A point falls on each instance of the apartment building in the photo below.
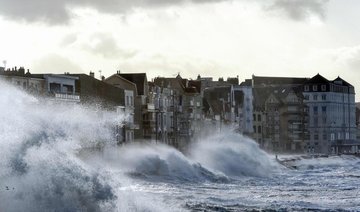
(332, 121)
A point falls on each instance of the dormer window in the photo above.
(315, 88)
(323, 87)
(306, 88)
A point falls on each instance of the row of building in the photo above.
(283, 114)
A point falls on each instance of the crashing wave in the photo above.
(233, 155)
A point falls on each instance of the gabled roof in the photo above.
(123, 81)
(342, 82)
(196, 84)
(262, 94)
(317, 79)
(174, 83)
(273, 96)
(138, 78)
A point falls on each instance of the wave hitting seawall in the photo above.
(43, 166)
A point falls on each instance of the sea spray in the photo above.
(154, 161)
(49, 161)
(39, 167)
(213, 159)
(233, 155)
(42, 165)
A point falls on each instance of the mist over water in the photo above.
(63, 157)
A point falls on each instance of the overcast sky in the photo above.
(219, 38)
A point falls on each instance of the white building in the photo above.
(332, 126)
(246, 112)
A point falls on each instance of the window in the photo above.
(306, 88)
(323, 97)
(323, 109)
(315, 87)
(55, 87)
(316, 137)
(68, 89)
(254, 129)
(324, 136)
(323, 87)
(332, 136)
(315, 97)
(131, 101)
(259, 117)
(306, 97)
(259, 129)
(254, 117)
(127, 101)
(315, 109)
(315, 121)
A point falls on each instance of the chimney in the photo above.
(92, 74)
(102, 78)
(21, 70)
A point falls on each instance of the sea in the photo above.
(62, 157)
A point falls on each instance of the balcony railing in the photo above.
(67, 97)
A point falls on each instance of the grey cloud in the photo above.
(58, 11)
(300, 10)
(106, 46)
(69, 39)
(55, 63)
(36, 10)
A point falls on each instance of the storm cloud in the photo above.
(106, 46)
(59, 11)
(300, 10)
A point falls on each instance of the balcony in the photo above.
(149, 108)
(66, 97)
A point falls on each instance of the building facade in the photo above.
(332, 121)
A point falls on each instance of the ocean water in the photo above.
(50, 161)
